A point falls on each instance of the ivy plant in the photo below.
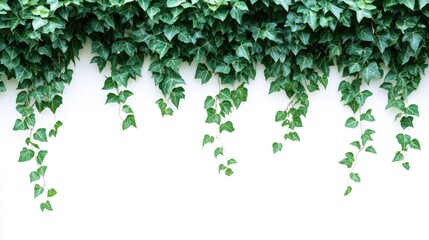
(296, 41)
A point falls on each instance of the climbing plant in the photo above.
(296, 41)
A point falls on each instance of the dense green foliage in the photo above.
(297, 41)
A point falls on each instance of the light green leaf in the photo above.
(351, 122)
(42, 170)
(415, 144)
(348, 191)
(406, 165)
(292, 136)
(38, 190)
(355, 177)
(409, 3)
(413, 110)
(423, 3)
(41, 156)
(207, 139)
(218, 151)
(34, 176)
(25, 155)
(52, 192)
(231, 161)
(371, 71)
(209, 102)
(229, 172)
(174, 3)
(39, 22)
(277, 147)
(46, 206)
(370, 149)
(398, 157)
(221, 167)
(304, 61)
(356, 144)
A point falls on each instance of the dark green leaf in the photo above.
(415, 144)
(413, 110)
(281, 116)
(128, 122)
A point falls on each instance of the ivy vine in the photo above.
(297, 42)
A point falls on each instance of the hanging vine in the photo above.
(297, 42)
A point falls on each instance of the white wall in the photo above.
(156, 182)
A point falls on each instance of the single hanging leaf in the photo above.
(231, 161)
(52, 192)
(40, 135)
(207, 139)
(348, 191)
(277, 147)
(38, 190)
(398, 157)
(370, 149)
(351, 122)
(128, 122)
(221, 168)
(34, 176)
(227, 126)
(228, 172)
(406, 165)
(25, 155)
(415, 144)
(41, 156)
(218, 151)
(355, 177)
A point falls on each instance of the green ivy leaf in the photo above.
(227, 126)
(367, 116)
(40, 135)
(202, 73)
(218, 151)
(38, 190)
(356, 144)
(52, 192)
(351, 122)
(348, 191)
(20, 125)
(26, 155)
(415, 144)
(407, 122)
(34, 176)
(128, 122)
(207, 139)
(280, 116)
(398, 157)
(406, 165)
(292, 136)
(221, 167)
(231, 161)
(277, 147)
(370, 149)
(41, 156)
(46, 206)
(371, 71)
(174, 3)
(413, 110)
(229, 172)
(209, 102)
(42, 170)
(355, 177)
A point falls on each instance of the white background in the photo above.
(156, 182)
